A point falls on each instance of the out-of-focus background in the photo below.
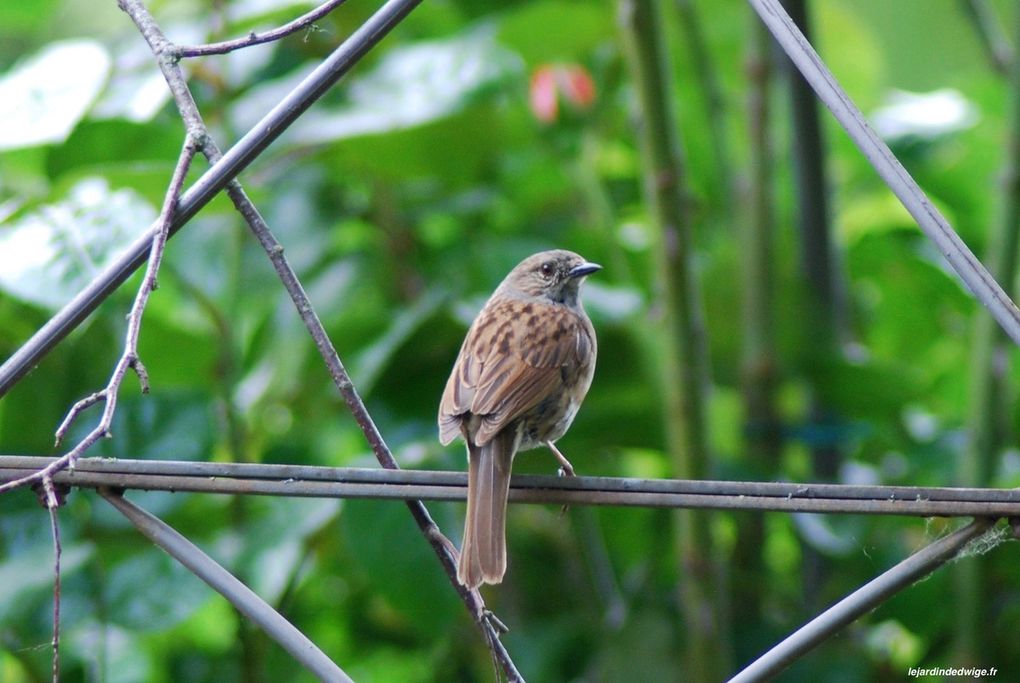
(476, 134)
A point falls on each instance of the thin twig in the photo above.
(253, 38)
(243, 598)
(861, 601)
(441, 545)
(129, 359)
(52, 501)
(929, 219)
(235, 160)
(443, 548)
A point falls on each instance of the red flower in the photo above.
(554, 82)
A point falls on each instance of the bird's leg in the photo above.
(436, 535)
(566, 469)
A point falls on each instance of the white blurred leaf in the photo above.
(410, 86)
(280, 547)
(24, 573)
(925, 115)
(133, 604)
(891, 643)
(612, 302)
(822, 535)
(124, 659)
(43, 98)
(49, 255)
(137, 90)
(135, 95)
(242, 66)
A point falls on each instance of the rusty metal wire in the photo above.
(956, 252)
(860, 602)
(344, 482)
(243, 598)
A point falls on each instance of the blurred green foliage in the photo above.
(402, 199)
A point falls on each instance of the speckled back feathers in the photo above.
(531, 339)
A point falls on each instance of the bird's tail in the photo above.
(483, 553)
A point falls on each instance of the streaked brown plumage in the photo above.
(523, 370)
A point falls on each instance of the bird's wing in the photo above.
(459, 391)
(512, 359)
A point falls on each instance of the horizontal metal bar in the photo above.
(339, 482)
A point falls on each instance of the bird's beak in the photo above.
(584, 269)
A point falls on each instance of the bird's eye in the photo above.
(547, 269)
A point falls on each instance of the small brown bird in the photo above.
(525, 366)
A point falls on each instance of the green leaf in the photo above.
(25, 16)
(100, 144)
(276, 530)
(399, 565)
(644, 651)
(891, 643)
(116, 652)
(373, 360)
(150, 591)
(556, 31)
(27, 577)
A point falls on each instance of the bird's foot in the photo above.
(566, 469)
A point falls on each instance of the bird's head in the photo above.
(553, 275)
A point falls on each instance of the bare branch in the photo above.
(205, 188)
(129, 359)
(51, 497)
(77, 408)
(442, 546)
(253, 38)
(444, 549)
(55, 530)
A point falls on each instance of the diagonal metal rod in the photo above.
(337, 482)
(861, 601)
(240, 596)
(205, 188)
(931, 221)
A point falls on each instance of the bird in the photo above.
(524, 368)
